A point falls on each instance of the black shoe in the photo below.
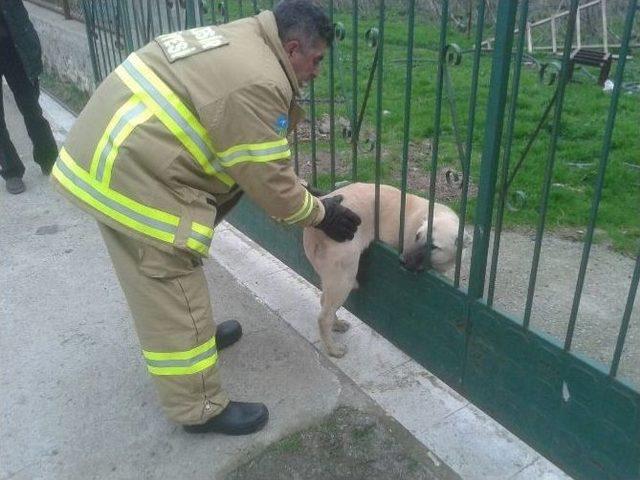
(15, 185)
(239, 418)
(228, 333)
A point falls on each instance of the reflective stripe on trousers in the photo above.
(182, 363)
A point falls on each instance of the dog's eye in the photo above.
(434, 247)
(417, 237)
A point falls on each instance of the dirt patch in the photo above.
(349, 444)
(448, 178)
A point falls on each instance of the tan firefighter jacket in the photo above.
(180, 128)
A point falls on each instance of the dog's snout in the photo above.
(413, 259)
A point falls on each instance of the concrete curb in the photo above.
(467, 440)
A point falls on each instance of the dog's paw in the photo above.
(340, 326)
(337, 351)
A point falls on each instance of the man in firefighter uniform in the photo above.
(163, 150)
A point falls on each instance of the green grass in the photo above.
(579, 146)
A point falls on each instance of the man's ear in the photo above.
(290, 46)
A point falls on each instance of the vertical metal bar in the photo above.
(442, 54)
(314, 153)
(554, 43)
(104, 48)
(200, 11)
(151, 28)
(626, 317)
(529, 40)
(407, 121)
(136, 23)
(602, 168)
(454, 113)
(170, 26)
(212, 9)
(548, 174)
(115, 6)
(121, 30)
(296, 164)
(332, 107)
(126, 25)
(354, 90)
(190, 15)
(473, 100)
(160, 25)
(226, 11)
(111, 18)
(498, 86)
(378, 156)
(605, 27)
(517, 67)
(90, 28)
(66, 9)
(255, 6)
(578, 29)
(179, 24)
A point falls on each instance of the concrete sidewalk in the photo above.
(77, 402)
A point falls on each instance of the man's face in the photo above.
(305, 61)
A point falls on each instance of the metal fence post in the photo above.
(498, 87)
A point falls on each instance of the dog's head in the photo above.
(444, 243)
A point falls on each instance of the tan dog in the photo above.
(337, 263)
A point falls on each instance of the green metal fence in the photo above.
(463, 142)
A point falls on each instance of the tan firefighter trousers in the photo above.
(169, 300)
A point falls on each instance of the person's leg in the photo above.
(26, 94)
(169, 300)
(10, 164)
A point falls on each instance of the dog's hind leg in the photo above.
(335, 290)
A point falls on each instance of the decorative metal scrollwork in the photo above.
(339, 32)
(453, 54)
(453, 178)
(549, 72)
(368, 145)
(372, 36)
(517, 200)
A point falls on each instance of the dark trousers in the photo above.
(26, 94)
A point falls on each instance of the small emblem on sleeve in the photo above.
(282, 125)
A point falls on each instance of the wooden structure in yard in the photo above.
(553, 22)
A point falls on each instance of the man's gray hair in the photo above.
(303, 20)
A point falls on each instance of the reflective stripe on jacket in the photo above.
(167, 140)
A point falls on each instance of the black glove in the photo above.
(339, 223)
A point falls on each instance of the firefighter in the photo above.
(163, 149)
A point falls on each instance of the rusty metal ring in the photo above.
(339, 32)
(517, 201)
(372, 37)
(453, 54)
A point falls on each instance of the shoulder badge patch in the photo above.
(282, 125)
(183, 44)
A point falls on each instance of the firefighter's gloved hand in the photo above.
(339, 223)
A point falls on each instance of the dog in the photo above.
(337, 263)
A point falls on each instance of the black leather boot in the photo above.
(239, 418)
(228, 333)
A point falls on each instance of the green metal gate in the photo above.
(574, 409)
